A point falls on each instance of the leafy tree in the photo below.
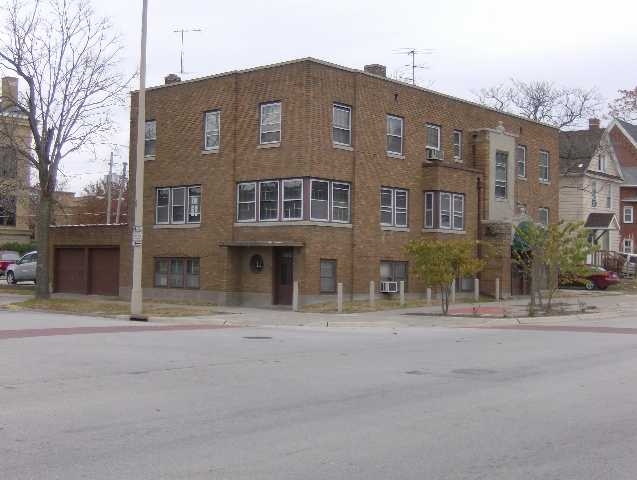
(438, 262)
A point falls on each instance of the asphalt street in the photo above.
(315, 403)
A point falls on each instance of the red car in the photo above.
(7, 257)
(597, 277)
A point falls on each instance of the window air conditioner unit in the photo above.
(388, 287)
(434, 154)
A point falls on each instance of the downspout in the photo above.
(353, 190)
(478, 216)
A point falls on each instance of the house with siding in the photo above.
(590, 179)
(311, 172)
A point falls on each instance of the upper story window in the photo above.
(340, 202)
(270, 124)
(211, 130)
(269, 201)
(292, 199)
(8, 163)
(594, 193)
(8, 210)
(394, 135)
(247, 202)
(150, 138)
(444, 210)
(432, 148)
(543, 214)
(457, 145)
(520, 160)
(628, 245)
(601, 162)
(342, 124)
(178, 205)
(393, 207)
(544, 166)
(628, 214)
(501, 174)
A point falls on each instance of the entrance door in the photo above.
(283, 276)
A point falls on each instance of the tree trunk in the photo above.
(42, 240)
(444, 298)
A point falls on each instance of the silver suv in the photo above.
(23, 270)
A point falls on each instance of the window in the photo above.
(320, 200)
(393, 272)
(292, 199)
(150, 138)
(433, 137)
(177, 273)
(520, 160)
(328, 276)
(178, 205)
(444, 210)
(628, 245)
(246, 202)
(394, 207)
(269, 201)
(593, 193)
(340, 202)
(609, 195)
(544, 166)
(8, 163)
(394, 135)
(7, 210)
(211, 130)
(601, 162)
(341, 124)
(628, 214)
(501, 174)
(270, 125)
(457, 145)
(543, 214)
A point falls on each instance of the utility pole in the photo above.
(122, 182)
(181, 56)
(109, 182)
(137, 234)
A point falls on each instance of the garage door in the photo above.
(87, 270)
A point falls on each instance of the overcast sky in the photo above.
(475, 43)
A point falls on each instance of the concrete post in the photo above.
(476, 289)
(339, 297)
(402, 293)
(372, 293)
(453, 291)
(497, 289)
(428, 295)
(295, 296)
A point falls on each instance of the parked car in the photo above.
(597, 277)
(23, 270)
(7, 257)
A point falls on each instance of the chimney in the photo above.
(171, 78)
(9, 92)
(593, 123)
(376, 69)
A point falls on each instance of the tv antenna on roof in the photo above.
(181, 56)
(412, 52)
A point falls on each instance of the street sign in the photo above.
(138, 235)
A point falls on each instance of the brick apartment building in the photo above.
(312, 172)
(15, 137)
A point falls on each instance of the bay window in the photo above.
(444, 211)
(246, 202)
(268, 201)
(292, 199)
(340, 202)
(320, 200)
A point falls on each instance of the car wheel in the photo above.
(11, 278)
(589, 285)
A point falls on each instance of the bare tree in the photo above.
(69, 60)
(543, 101)
(625, 106)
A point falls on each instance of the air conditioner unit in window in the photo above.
(388, 287)
(434, 154)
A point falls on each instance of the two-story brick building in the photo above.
(312, 172)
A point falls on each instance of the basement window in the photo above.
(177, 273)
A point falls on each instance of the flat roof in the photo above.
(261, 243)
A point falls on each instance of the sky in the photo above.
(474, 44)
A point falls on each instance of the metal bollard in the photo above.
(295, 296)
(402, 293)
(372, 293)
(339, 297)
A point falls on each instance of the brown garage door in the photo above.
(87, 270)
(69, 270)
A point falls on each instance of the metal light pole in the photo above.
(136, 291)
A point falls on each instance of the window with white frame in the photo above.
(211, 130)
(270, 123)
(544, 166)
(247, 202)
(394, 135)
(433, 136)
(394, 207)
(341, 124)
(340, 202)
(394, 271)
(594, 193)
(178, 205)
(292, 199)
(268, 201)
(444, 210)
(150, 138)
(520, 160)
(457, 145)
(601, 162)
(320, 200)
(628, 245)
(609, 195)
(628, 214)
(543, 214)
(501, 174)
